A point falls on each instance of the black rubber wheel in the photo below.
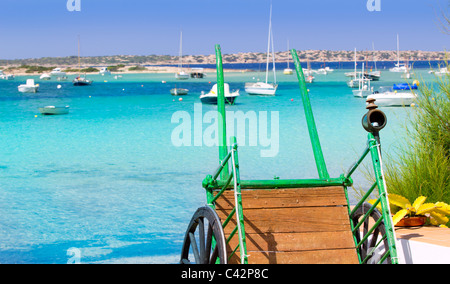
(203, 228)
(368, 245)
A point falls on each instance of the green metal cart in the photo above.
(291, 221)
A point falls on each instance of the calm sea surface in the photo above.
(106, 184)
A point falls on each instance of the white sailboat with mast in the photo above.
(80, 81)
(374, 75)
(265, 88)
(288, 70)
(399, 68)
(181, 75)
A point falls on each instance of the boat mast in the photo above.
(356, 65)
(273, 55)
(268, 44)
(398, 50)
(373, 55)
(79, 59)
(180, 66)
(288, 53)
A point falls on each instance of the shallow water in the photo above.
(106, 183)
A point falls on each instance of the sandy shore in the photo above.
(149, 70)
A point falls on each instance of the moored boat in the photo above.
(54, 110)
(398, 95)
(4, 76)
(29, 87)
(211, 97)
(81, 81)
(265, 88)
(179, 92)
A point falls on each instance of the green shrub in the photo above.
(423, 164)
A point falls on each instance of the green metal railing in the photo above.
(374, 149)
(213, 193)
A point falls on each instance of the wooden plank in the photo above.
(339, 256)
(293, 225)
(291, 220)
(297, 241)
(282, 198)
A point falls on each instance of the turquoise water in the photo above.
(107, 181)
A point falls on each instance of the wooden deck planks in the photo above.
(301, 225)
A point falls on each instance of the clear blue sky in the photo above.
(39, 28)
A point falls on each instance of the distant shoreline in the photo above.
(121, 64)
(248, 57)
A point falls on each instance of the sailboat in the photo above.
(288, 71)
(181, 75)
(403, 68)
(265, 88)
(374, 75)
(364, 88)
(354, 83)
(80, 81)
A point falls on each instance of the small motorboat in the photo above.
(104, 71)
(58, 73)
(179, 92)
(29, 87)
(54, 110)
(288, 71)
(310, 79)
(45, 76)
(197, 73)
(4, 76)
(81, 81)
(211, 97)
(443, 71)
(399, 95)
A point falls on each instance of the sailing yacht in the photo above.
(80, 81)
(181, 75)
(399, 68)
(364, 88)
(288, 71)
(265, 88)
(374, 75)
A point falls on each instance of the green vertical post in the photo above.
(318, 155)
(239, 207)
(375, 151)
(223, 151)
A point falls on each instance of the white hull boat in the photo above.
(442, 71)
(261, 88)
(45, 76)
(288, 71)
(394, 98)
(399, 68)
(265, 88)
(104, 71)
(182, 75)
(57, 73)
(310, 79)
(4, 76)
(211, 97)
(29, 87)
(362, 93)
(179, 92)
(54, 110)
